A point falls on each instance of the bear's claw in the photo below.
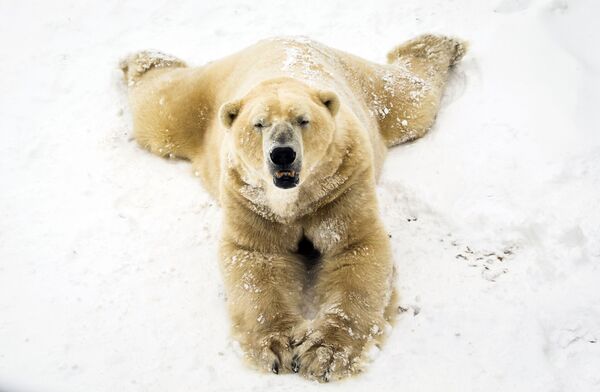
(275, 367)
(295, 364)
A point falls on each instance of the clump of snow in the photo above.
(109, 277)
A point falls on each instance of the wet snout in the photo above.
(284, 155)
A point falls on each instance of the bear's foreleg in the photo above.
(263, 294)
(354, 288)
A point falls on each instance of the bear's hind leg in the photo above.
(137, 64)
(422, 67)
(168, 104)
(430, 51)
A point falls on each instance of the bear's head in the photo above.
(281, 129)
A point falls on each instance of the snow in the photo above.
(108, 267)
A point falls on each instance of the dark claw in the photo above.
(295, 364)
(275, 368)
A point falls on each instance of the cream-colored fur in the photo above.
(357, 109)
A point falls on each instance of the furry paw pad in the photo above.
(272, 354)
(325, 356)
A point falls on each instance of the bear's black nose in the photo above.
(283, 156)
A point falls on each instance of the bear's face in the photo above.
(281, 131)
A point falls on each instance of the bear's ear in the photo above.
(228, 112)
(330, 100)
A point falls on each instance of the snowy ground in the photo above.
(108, 270)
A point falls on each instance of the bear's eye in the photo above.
(259, 125)
(303, 122)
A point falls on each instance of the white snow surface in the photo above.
(109, 278)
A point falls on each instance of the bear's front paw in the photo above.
(272, 353)
(329, 352)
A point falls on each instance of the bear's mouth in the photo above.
(286, 179)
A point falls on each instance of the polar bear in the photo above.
(289, 136)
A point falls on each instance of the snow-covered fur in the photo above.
(355, 109)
